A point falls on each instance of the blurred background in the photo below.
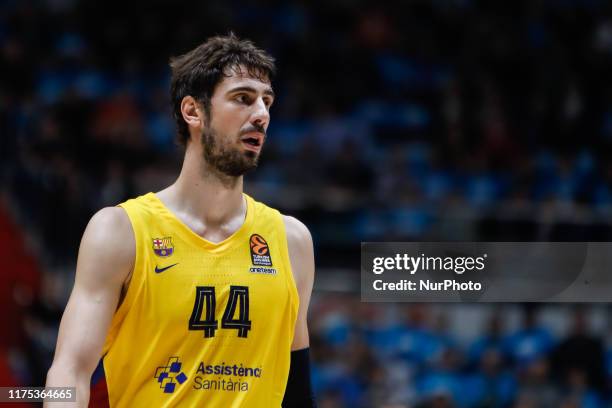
(408, 120)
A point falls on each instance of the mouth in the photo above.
(253, 141)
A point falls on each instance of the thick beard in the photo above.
(225, 159)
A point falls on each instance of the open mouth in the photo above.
(253, 140)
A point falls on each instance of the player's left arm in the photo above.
(301, 254)
(298, 393)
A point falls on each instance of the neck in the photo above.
(201, 192)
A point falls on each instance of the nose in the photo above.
(261, 114)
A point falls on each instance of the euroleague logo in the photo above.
(259, 245)
(260, 252)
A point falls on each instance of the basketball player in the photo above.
(195, 296)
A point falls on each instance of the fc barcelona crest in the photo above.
(163, 246)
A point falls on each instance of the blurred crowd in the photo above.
(418, 355)
(421, 120)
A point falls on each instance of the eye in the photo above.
(243, 98)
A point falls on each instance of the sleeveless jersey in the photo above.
(202, 324)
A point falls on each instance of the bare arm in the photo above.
(106, 258)
(301, 255)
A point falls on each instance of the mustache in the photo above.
(254, 128)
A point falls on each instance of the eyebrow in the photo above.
(268, 91)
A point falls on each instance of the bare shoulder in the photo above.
(301, 253)
(297, 233)
(108, 246)
(110, 227)
(110, 217)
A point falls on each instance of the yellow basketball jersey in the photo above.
(202, 324)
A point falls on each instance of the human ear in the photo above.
(192, 114)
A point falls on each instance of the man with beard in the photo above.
(195, 295)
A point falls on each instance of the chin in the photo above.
(241, 169)
(234, 164)
(252, 155)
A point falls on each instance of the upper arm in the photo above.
(105, 260)
(301, 255)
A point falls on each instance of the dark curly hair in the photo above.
(198, 72)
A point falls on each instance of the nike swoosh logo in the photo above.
(160, 270)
